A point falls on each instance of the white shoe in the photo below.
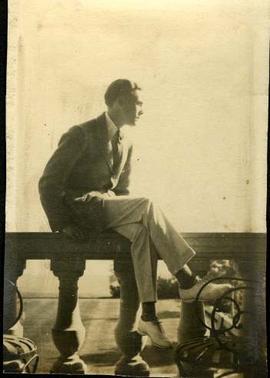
(210, 293)
(156, 332)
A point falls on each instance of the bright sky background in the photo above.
(201, 144)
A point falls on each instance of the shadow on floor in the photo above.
(168, 314)
(158, 357)
(87, 321)
(103, 358)
(153, 356)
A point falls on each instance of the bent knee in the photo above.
(140, 231)
(147, 201)
(140, 228)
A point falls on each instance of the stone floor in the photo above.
(99, 350)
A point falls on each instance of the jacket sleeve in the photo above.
(52, 183)
(122, 188)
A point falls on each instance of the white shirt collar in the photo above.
(112, 129)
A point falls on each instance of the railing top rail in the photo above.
(45, 245)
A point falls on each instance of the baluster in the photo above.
(253, 328)
(68, 332)
(190, 325)
(14, 268)
(192, 318)
(129, 341)
(192, 315)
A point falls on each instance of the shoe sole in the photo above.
(152, 342)
(199, 299)
(206, 301)
(161, 347)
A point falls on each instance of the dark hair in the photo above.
(119, 87)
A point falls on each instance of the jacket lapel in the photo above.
(106, 148)
(104, 144)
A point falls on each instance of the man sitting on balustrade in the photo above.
(85, 186)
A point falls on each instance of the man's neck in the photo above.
(115, 118)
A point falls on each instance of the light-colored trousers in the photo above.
(151, 235)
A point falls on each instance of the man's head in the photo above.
(123, 100)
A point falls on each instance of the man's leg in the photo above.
(170, 246)
(141, 221)
(143, 258)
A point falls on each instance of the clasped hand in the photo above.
(95, 194)
(76, 232)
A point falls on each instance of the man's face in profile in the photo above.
(132, 108)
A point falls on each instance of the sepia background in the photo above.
(201, 143)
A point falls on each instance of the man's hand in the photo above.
(89, 197)
(93, 195)
(75, 232)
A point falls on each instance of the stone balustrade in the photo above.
(68, 260)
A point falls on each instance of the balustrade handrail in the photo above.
(44, 245)
(68, 261)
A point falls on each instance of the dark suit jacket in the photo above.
(79, 165)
